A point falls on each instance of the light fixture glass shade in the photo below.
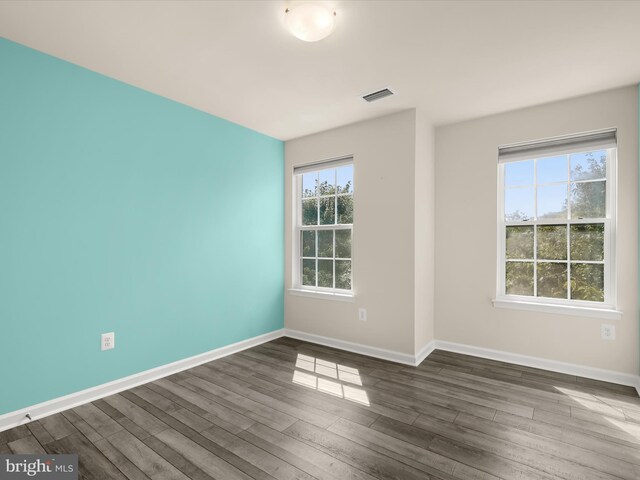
(310, 21)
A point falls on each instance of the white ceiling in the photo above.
(235, 59)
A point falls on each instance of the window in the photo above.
(323, 226)
(556, 221)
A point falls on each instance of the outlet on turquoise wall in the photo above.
(123, 211)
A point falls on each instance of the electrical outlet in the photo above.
(608, 332)
(362, 314)
(108, 341)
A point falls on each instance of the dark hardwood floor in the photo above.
(294, 410)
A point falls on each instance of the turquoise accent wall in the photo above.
(124, 211)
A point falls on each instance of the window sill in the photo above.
(578, 311)
(340, 297)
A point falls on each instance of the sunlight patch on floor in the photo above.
(603, 409)
(312, 372)
(630, 428)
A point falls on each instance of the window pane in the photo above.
(589, 165)
(520, 242)
(552, 280)
(309, 272)
(518, 173)
(325, 273)
(587, 242)
(552, 169)
(552, 242)
(543, 252)
(588, 200)
(519, 278)
(587, 282)
(343, 244)
(345, 209)
(518, 204)
(309, 181)
(345, 179)
(327, 182)
(308, 243)
(328, 211)
(310, 212)
(325, 243)
(552, 201)
(343, 274)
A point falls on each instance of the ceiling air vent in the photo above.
(372, 97)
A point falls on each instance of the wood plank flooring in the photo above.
(293, 410)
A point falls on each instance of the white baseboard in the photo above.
(425, 352)
(542, 363)
(18, 417)
(525, 360)
(375, 352)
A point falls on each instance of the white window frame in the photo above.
(607, 308)
(297, 287)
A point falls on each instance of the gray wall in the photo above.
(393, 159)
(466, 230)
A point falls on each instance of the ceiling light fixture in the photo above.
(310, 21)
